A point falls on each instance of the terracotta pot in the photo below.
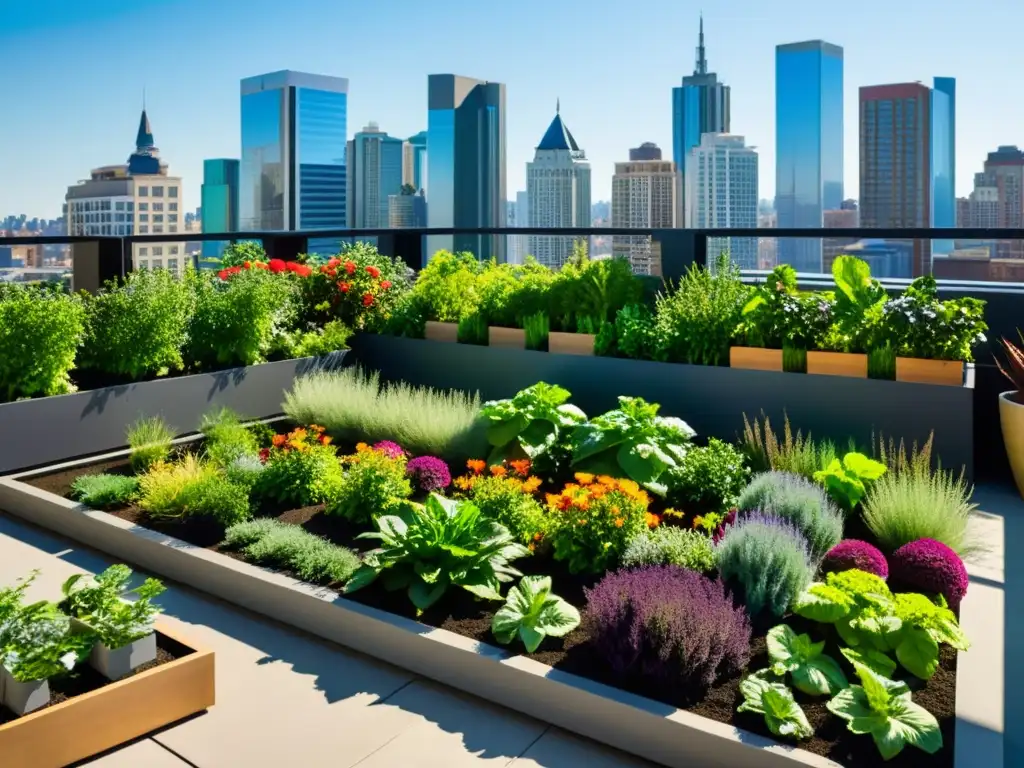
(947, 372)
(1011, 419)
(512, 338)
(838, 364)
(755, 358)
(571, 343)
(442, 331)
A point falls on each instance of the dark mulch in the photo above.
(85, 679)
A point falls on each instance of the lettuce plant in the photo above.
(426, 548)
(101, 605)
(813, 672)
(884, 709)
(782, 715)
(874, 660)
(847, 480)
(537, 420)
(632, 439)
(533, 612)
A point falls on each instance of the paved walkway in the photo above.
(287, 699)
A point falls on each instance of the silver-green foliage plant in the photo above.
(427, 548)
(813, 671)
(100, 604)
(226, 438)
(271, 542)
(149, 440)
(99, 491)
(801, 502)
(533, 612)
(669, 545)
(537, 420)
(884, 709)
(782, 714)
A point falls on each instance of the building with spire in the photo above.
(136, 198)
(558, 188)
(700, 105)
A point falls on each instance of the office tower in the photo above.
(408, 209)
(721, 193)
(294, 133)
(643, 197)
(700, 105)
(220, 203)
(137, 198)
(809, 144)
(1005, 171)
(414, 161)
(646, 151)
(846, 217)
(943, 154)
(374, 173)
(520, 244)
(558, 186)
(466, 163)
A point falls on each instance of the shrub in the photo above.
(162, 487)
(767, 558)
(212, 497)
(709, 479)
(41, 329)
(374, 481)
(674, 627)
(301, 468)
(137, 328)
(316, 342)
(852, 553)
(150, 442)
(506, 498)
(931, 567)
(510, 293)
(904, 507)
(429, 474)
(591, 290)
(353, 406)
(449, 286)
(670, 546)
(104, 490)
(227, 439)
(635, 335)
(236, 254)
(311, 558)
(792, 453)
(245, 471)
(795, 499)
(390, 448)
(360, 287)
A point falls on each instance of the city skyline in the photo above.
(197, 110)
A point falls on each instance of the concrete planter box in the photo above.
(53, 429)
(22, 698)
(115, 664)
(651, 730)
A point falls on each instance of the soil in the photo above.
(85, 679)
(466, 615)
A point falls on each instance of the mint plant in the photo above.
(536, 420)
(847, 480)
(101, 605)
(782, 715)
(533, 612)
(813, 672)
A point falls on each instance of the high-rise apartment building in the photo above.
(374, 174)
(700, 105)
(558, 186)
(219, 203)
(809, 144)
(408, 209)
(466, 163)
(847, 217)
(643, 197)
(721, 193)
(137, 198)
(294, 133)
(646, 151)
(981, 209)
(1005, 171)
(414, 161)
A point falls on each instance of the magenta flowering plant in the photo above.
(853, 553)
(390, 449)
(429, 473)
(931, 567)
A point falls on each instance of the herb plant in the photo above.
(536, 422)
(536, 328)
(782, 714)
(847, 480)
(801, 502)
(812, 671)
(790, 452)
(668, 545)
(448, 287)
(374, 481)
(101, 605)
(226, 438)
(777, 315)
(162, 488)
(149, 440)
(505, 495)
(301, 468)
(635, 334)
(473, 329)
(919, 324)
(709, 479)
(532, 612)
(41, 645)
(270, 542)
(857, 312)
(99, 491)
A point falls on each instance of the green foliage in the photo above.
(227, 438)
(99, 491)
(426, 548)
(300, 477)
(857, 311)
(40, 644)
(211, 496)
(311, 558)
(884, 708)
(263, 432)
(777, 315)
(847, 480)
(792, 453)
(592, 289)
(537, 327)
(918, 324)
(509, 293)
(137, 328)
(882, 363)
(709, 479)
(408, 318)
(448, 287)
(373, 483)
(874, 660)
(41, 329)
(670, 545)
(783, 716)
(504, 501)
(353, 406)
(100, 604)
(473, 329)
(588, 324)
(316, 342)
(537, 421)
(633, 440)
(604, 341)
(635, 332)
(149, 440)
(161, 488)
(813, 671)
(533, 612)
(236, 254)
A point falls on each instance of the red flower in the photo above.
(367, 299)
(264, 455)
(385, 284)
(374, 272)
(277, 266)
(350, 267)
(335, 261)
(298, 268)
(248, 264)
(344, 287)
(223, 274)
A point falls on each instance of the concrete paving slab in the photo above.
(141, 754)
(559, 749)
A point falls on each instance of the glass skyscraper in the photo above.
(220, 202)
(375, 172)
(416, 173)
(294, 130)
(943, 158)
(466, 163)
(809, 144)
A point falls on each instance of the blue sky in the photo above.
(75, 73)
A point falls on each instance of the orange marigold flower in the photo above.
(362, 447)
(317, 428)
(570, 488)
(582, 503)
(653, 520)
(476, 465)
(279, 440)
(531, 485)
(520, 466)
(537, 536)
(619, 522)
(498, 471)
(532, 546)
(564, 502)
(297, 434)
(325, 439)
(698, 521)
(606, 480)
(584, 478)
(615, 510)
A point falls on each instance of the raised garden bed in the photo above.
(88, 714)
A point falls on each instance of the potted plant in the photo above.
(856, 314)
(123, 630)
(509, 294)
(448, 289)
(1011, 409)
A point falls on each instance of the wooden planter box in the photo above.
(838, 364)
(436, 331)
(571, 343)
(949, 373)
(511, 338)
(755, 358)
(117, 713)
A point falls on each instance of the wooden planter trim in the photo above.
(948, 373)
(94, 722)
(561, 343)
(755, 358)
(447, 332)
(510, 338)
(853, 365)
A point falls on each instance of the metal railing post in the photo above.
(93, 262)
(285, 246)
(680, 249)
(406, 245)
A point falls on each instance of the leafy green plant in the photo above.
(594, 289)
(408, 319)
(373, 483)
(211, 496)
(635, 333)
(100, 604)
(536, 328)
(709, 479)
(782, 714)
(505, 500)
(919, 324)
(473, 329)
(533, 612)
(669, 545)
(270, 542)
(226, 437)
(427, 548)
(316, 342)
(874, 660)
(536, 421)
(847, 480)
(511, 292)
(448, 288)
(301, 469)
(778, 316)
(263, 432)
(884, 708)
(236, 254)
(857, 312)
(882, 363)
(632, 439)
(41, 644)
(149, 440)
(99, 491)
(813, 671)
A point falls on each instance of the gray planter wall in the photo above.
(712, 400)
(51, 429)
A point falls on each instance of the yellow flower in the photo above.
(362, 447)
(606, 480)
(584, 478)
(619, 522)
(464, 483)
(531, 485)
